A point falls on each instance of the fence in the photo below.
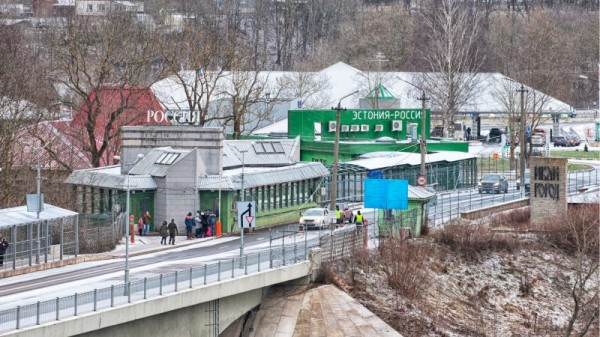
(449, 205)
(341, 242)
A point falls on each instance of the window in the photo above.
(268, 147)
(102, 7)
(90, 8)
(167, 158)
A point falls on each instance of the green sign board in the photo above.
(357, 124)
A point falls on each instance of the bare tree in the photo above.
(452, 57)
(25, 96)
(90, 55)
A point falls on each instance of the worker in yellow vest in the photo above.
(338, 216)
(358, 219)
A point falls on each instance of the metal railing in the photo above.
(165, 283)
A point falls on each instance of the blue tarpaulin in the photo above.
(386, 194)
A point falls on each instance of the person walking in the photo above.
(141, 226)
(164, 232)
(3, 248)
(189, 225)
(358, 219)
(146, 218)
(172, 231)
(468, 133)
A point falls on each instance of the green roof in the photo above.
(381, 92)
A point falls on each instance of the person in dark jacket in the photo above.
(189, 225)
(204, 220)
(3, 248)
(164, 232)
(172, 231)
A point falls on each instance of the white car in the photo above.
(315, 218)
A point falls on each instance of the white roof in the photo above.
(19, 215)
(379, 160)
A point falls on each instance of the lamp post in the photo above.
(522, 91)
(127, 215)
(336, 147)
(242, 198)
(423, 147)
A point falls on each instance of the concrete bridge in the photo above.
(201, 311)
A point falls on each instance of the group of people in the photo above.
(347, 216)
(169, 230)
(144, 224)
(202, 225)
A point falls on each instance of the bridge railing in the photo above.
(149, 287)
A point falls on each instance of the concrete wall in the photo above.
(485, 211)
(180, 190)
(179, 314)
(548, 188)
(142, 139)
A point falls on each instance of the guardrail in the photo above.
(149, 287)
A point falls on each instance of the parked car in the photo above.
(493, 183)
(572, 140)
(526, 180)
(438, 131)
(538, 140)
(315, 218)
(495, 135)
(560, 141)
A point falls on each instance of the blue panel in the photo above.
(375, 174)
(397, 194)
(386, 194)
(375, 193)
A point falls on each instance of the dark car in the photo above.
(493, 183)
(437, 131)
(572, 140)
(495, 135)
(560, 141)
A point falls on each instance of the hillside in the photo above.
(469, 279)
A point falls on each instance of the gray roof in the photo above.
(158, 161)
(380, 160)
(255, 176)
(233, 150)
(417, 193)
(19, 215)
(111, 177)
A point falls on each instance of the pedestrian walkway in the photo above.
(325, 311)
(151, 244)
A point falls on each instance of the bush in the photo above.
(574, 232)
(516, 218)
(473, 240)
(404, 263)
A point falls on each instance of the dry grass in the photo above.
(474, 240)
(515, 219)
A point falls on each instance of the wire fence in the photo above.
(338, 243)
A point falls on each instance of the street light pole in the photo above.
(243, 198)
(423, 99)
(522, 90)
(336, 147)
(127, 215)
(422, 172)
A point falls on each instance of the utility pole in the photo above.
(336, 147)
(522, 91)
(422, 172)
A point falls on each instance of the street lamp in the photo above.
(423, 99)
(128, 189)
(336, 147)
(242, 198)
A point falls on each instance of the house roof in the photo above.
(20, 216)
(111, 177)
(381, 160)
(417, 193)
(262, 176)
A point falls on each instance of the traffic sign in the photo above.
(422, 181)
(246, 214)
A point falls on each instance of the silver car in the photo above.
(493, 183)
(314, 218)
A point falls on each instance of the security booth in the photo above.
(50, 237)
